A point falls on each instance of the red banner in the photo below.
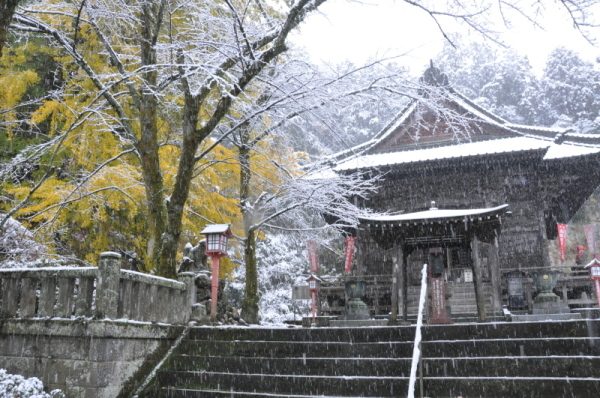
(313, 259)
(562, 240)
(349, 253)
(590, 232)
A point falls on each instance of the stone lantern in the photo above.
(217, 236)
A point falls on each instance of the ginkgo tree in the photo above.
(148, 75)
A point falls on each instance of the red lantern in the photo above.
(216, 239)
(216, 247)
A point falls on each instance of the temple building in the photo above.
(474, 196)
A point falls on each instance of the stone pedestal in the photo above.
(546, 302)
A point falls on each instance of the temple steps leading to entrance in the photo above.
(461, 302)
(538, 359)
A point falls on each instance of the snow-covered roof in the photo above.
(507, 138)
(216, 229)
(466, 149)
(434, 213)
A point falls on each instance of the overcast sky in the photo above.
(353, 31)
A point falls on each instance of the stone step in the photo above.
(345, 386)
(396, 349)
(389, 367)
(573, 328)
(538, 366)
(206, 393)
(286, 349)
(502, 387)
(537, 359)
(502, 366)
(439, 387)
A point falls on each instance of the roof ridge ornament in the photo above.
(434, 76)
(433, 206)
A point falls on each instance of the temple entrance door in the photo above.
(457, 262)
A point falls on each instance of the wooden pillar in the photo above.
(478, 280)
(397, 284)
(404, 284)
(543, 239)
(496, 277)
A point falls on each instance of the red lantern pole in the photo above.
(598, 291)
(314, 306)
(214, 284)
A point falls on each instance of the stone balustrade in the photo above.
(103, 292)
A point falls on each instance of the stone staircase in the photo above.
(539, 359)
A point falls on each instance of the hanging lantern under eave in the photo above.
(217, 236)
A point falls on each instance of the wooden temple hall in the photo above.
(478, 199)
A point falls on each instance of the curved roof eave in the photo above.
(434, 214)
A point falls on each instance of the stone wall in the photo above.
(84, 358)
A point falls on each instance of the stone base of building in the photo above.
(545, 317)
(550, 307)
(339, 323)
(440, 320)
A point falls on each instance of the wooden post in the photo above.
(107, 289)
(543, 240)
(395, 287)
(496, 277)
(478, 280)
(214, 285)
(404, 284)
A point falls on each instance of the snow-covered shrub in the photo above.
(281, 264)
(16, 386)
(17, 243)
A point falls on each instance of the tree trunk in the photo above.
(7, 10)
(250, 304)
(183, 180)
(148, 148)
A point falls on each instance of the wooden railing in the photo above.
(100, 292)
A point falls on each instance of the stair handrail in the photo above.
(417, 346)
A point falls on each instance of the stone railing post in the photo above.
(189, 296)
(107, 289)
